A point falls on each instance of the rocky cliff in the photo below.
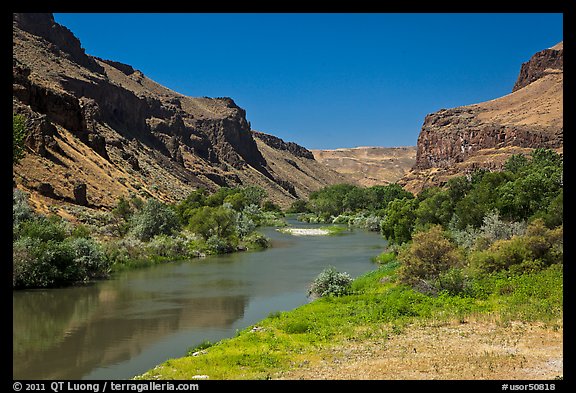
(455, 141)
(103, 127)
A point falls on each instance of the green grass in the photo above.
(334, 229)
(377, 307)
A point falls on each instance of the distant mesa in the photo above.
(369, 165)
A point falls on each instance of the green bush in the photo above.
(538, 248)
(44, 228)
(430, 253)
(155, 218)
(455, 282)
(256, 241)
(269, 206)
(87, 259)
(29, 268)
(330, 283)
(208, 222)
(38, 263)
(218, 245)
(399, 220)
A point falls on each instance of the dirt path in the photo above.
(473, 350)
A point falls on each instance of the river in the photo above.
(122, 327)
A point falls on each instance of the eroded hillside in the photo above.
(100, 129)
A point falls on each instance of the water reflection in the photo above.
(125, 326)
(114, 323)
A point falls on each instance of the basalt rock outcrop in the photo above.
(458, 140)
(106, 125)
(542, 63)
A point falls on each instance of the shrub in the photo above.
(257, 241)
(492, 229)
(330, 283)
(125, 250)
(455, 282)
(430, 253)
(370, 222)
(167, 246)
(28, 270)
(218, 245)
(88, 260)
(44, 228)
(538, 248)
(399, 220)
(244, 225)
(210, 222)
(38, 263)
(155, 218)
(341, 219)
(269, 206)
(21, 211)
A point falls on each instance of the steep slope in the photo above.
(369, 166)
(100, 129)
(455, 141)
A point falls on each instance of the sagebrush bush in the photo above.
(538, 248)
(38, 263)
(29, 268)
(167, 246)
(493, 228)
(217, 245)
(87, 259)
(21, 211)
(155, 218)
(330, 282)
(124, 250)
(244, 225)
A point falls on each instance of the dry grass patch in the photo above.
(478, 349)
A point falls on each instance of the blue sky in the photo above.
(326, 80)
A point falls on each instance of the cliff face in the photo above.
(542, 63)
(454, 141)
(104, 124)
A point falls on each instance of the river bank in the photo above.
(121, 327)
(517, 333)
